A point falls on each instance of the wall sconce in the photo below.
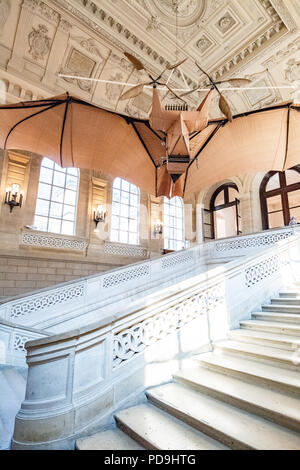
(11, 197)
(158, 227)
(99, 215)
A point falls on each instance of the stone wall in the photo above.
(21, 274)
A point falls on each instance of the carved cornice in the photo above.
(285, 15)
(135, 45)
(40, 8)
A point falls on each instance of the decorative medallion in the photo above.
(203, 44)
(188, 11)
(39, 42)
(225, 23)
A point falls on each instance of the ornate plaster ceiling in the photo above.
(257, 39)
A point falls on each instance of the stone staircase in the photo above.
(243, 395)
(12, 393)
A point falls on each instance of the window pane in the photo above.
(57, 194)
(125, 211)
(295, 213)
(274, 203)
(42, 207)
(40, 223)
(124, 237)
(294, 198)
(292, 177)
(116, 195)
(274, 183)
(125, 185)
(69, 213)
(132, 226)
(47, 163)
(46, 175)
(59, 179)
(56, 210)
(71, 182)
(44, 191)
(133, 212)
(114, 236)
(133, 189)
(117, 183)
(115, 208)
(123, 224)
(133, 200)
(124, 198)
(67, 228)
(59, 168)
(233, 194)
(54, 225)
(133, 239)
(276, 220)
(115, 222)
(70, 197)
(220, 199)
(72, 171)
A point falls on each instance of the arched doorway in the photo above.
(280, 198)
(224, 209)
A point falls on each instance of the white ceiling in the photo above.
(257, 39)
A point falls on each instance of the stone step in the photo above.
(278, 357)
(282, 308)
(288, 381)
(235, 428)
(277, 317)
(270, 404)
(156, 430)
(286, 301)
(289, 293)
(271, 327)
(273, 340)
(114, 439)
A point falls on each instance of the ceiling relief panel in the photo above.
(256, 39)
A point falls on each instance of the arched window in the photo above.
(125, 212)
(173, 224)
(224, 209)
(56, 204)
(280, 198)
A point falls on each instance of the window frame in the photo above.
(213, 208)
(283, 191)
(167, 201)
(137, 220)
(50, 200)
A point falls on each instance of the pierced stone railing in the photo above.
(123, 249)
(39, 239)
(137, 347)
(242, 245)
(71, 304)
